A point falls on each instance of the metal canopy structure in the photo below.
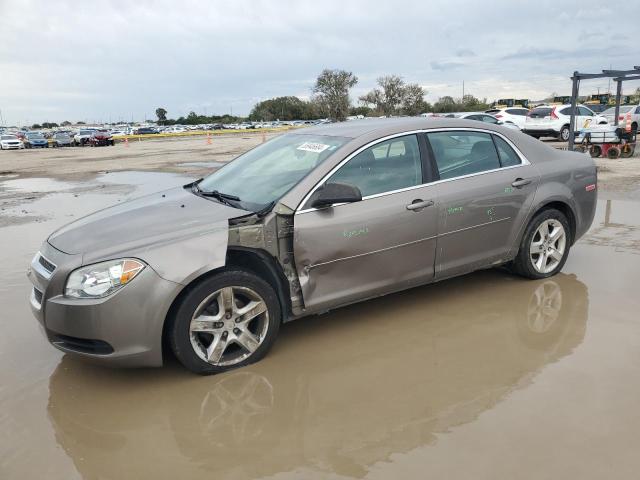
(618, 76)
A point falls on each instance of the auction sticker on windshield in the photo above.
(313, 147)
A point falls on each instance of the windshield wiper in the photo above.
(222, 197)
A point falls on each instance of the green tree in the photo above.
(284, 108)
(395, 97)
(161, 113)
(331, 93)
(66, 123)
(36, 126)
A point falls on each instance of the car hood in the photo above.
(144, 224)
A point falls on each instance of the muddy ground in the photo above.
(486, 376)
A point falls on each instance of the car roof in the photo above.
(385, 126)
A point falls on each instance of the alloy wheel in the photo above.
(548, 246)
(229, 325)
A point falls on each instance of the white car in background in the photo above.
(553, 121)
(515, 115)
(10, 142)
(634, 110)
(174, 129)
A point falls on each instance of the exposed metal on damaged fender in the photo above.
(273, 234)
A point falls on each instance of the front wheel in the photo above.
(564, 133)
(226, 321)
(545, 245)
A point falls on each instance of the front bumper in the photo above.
(12, 146)
(123, 329)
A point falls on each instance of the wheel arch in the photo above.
(562, 206)
(256, 261)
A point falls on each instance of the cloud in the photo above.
(465, 52)
(223, 55)
(445, 65)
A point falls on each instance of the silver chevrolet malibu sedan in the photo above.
(302, 224)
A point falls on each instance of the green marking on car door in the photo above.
(452, 210)
(356, 232)
(508, 189)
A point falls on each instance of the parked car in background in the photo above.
(82, 136)
(146, 131)
(481, 117)
(554, 121)
(633, 110)
(174, 129)
(100, 138)
(597, 107)
(361, 209)
(10, 142)
(35, 139)
(515, 115)
(118, 133)
(61, 139)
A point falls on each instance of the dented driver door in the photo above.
(383, 243)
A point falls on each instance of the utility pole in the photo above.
(463, 90)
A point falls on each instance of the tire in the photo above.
(523, 264)
(627, 151)
(564, 133)
(206, 297)
(613, 153)
(595, 151)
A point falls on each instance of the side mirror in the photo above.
(332, 193)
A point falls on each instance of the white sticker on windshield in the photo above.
(313, 147)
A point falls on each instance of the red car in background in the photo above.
(100, 138)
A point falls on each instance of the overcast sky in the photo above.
(112, 61)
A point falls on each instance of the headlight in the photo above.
(102, 279)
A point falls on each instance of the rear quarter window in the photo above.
(508, 156)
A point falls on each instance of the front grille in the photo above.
(46, 264)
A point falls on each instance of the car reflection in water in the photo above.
(340, 392)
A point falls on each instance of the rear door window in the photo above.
(459, 153)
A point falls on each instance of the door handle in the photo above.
(419, 204)
(521, 182)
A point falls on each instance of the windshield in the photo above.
(264, 174)
(612, 110)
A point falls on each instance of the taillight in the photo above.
(553, 113)
(621, 117)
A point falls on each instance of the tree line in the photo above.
(330, 98)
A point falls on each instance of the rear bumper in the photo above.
(124, 329)
(541, 131)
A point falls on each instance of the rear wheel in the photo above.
(564, 133)
(545, 245)
(595, 151)
(224, 322)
